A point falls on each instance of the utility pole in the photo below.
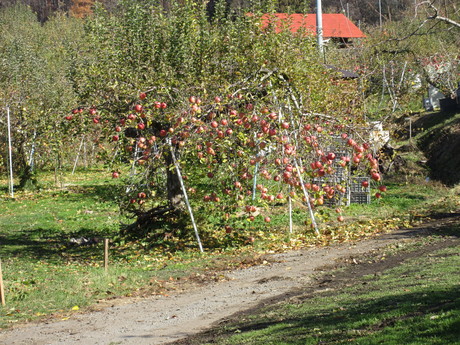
(319, 26)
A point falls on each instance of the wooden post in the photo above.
(2, 290)
(106, 254)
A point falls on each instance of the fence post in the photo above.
(2, 289)
(106, 254)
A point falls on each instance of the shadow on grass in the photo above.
(432, 119)
(54, 246)
(412, 318)
(97, 192)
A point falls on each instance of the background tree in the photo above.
(35, 65)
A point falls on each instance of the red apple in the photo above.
(138, 108)
(375, 176)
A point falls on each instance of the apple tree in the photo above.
(217, 113)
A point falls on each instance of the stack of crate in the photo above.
(357, 193)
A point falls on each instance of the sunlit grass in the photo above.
(45, 273)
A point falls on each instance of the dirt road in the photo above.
(164, 319)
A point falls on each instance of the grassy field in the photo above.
(46, 274)
(411, 297)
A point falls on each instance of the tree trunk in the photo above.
(173, 186)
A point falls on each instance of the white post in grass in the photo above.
(10, 152)
(181, 180)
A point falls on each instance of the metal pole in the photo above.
(307, 197)
(254, 187)
(290, 210)
(78, 155)
(410, 130)
(10, 152)
(32, 151)
(197, 235)
(319, 26)
(380, 12)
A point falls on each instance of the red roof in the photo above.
(334, 24)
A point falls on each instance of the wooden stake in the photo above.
(106, 254)
(2, 290)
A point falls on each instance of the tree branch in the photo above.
(436, 16)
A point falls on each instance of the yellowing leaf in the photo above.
(76, 307)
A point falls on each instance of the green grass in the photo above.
(417, 302)
(45, 274)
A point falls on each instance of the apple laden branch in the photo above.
(222, 144)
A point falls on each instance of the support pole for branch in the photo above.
(290, 210)
(2, 289)
(307, 196)
(78, 155)
(197, 235)
(32, 151)
(255, 182)
(10, 153)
